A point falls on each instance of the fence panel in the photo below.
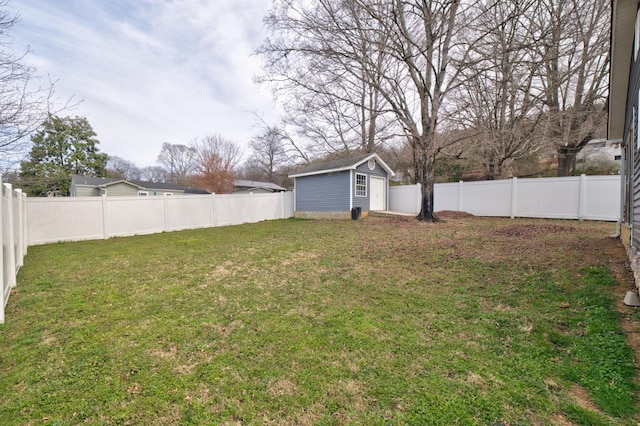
(12, 235)
(602, 193)
(487, 198)
(575, 197)
(555, 198)
(64, 219)
(405, 199)
(188, 212)
(233, 209)
(134, 215)
(83, 218)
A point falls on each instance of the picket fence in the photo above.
(577, 197)
(14, 239)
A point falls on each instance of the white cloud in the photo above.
(151, 71)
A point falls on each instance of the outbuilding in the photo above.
(343, 188)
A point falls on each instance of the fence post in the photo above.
(213, 210)
(252, 201)
(25, 225)
(514, 196)
(166, 213)
(11, 253)
(582, 196)
(460, 196)
(104, 216)
(20, 236)
(3, 301)
(282, 205)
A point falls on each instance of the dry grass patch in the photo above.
(379, 321)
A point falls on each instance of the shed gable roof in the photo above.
(339, 165)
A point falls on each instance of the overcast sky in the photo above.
(151, 71)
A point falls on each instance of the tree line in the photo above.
(67, 146)
(426, 83)
(503, 79)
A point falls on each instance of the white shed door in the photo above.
(377, 200)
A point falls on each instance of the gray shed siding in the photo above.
(323, 193)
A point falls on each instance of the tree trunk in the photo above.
(566, 162)
(425, 175)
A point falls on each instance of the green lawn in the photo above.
(379, 321)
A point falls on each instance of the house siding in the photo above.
(86, 191)
(121, 190)
(631, 148)
(323, 193)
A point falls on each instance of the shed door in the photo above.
(377, 200)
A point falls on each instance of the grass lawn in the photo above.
(379, 321)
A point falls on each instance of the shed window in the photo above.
(361, 185)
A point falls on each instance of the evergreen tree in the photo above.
(65, 146)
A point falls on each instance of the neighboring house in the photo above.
(82, 186)
(599, 150)
(624, 119)
(245, 186)
(332, 189)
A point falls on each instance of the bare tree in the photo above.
(268, 153)
(498, 100)
(574, 52)
(118, 167)
(24, 104)
(215, 161)
(401, 51)
(330, 101)
(179, 161)
(154, 174)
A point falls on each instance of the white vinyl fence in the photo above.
(89, 218)
(577, 197)
(14, 239)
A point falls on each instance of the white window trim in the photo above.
(365, 185)
(143, 193)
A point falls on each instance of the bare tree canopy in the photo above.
(397, 54)
(574, 53)
(216, 159)
(516, 75)
(268, 154)
(179, 162)
(24, 104)
(118, 167)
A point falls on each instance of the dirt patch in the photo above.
(582, 398)
(450, 214)
(531, 230)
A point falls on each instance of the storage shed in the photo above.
(334, 189)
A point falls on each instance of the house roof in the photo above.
(623, 19)
(339, 165)
(166, 186)
(258, 185)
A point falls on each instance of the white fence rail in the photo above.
(580, 197)
(14, 240)
(89, 218)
